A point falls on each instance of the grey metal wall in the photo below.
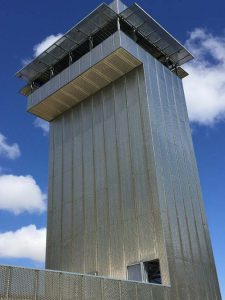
(124, 186)
(191, 264)
(20, 283)
(102, 211)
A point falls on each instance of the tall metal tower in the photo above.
(124, 193)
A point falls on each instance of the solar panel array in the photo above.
(156, 35)
(67, 43)
(91, 31)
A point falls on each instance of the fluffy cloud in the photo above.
(42, 46)
(39, 123)
(205, 87)
(6, 150)
(21, 194)
(26, 242)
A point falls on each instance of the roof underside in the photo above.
(94, 29)
(86, 84)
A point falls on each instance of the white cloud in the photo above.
(26, 242)
(39, 123)
(20, 194)
(205, 86)
(42, 46)
(9, 151)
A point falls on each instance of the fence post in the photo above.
(35, 284)
(60, 286)
(8, 283)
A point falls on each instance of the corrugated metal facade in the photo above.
(105, 203)
(124, 186)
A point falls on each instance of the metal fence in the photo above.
(20, 283)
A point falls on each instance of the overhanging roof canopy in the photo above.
(71, 40)
(94, 29)
(156, 34)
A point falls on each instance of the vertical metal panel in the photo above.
(96, 54)
(131, 242)
(111, 152)
(77, 154)
(55, 231)
(140, 168)
(67, 144)
(99, 159)
(180, 200)
(102, 205)
(103, 251)
(136, 142)
(123, 143)
(50, 168)
(90, 254)
(78, 255)
(149, 180)
(50, 198)
(67, 255)
(85, 62)
(147, 242)
(67, 190)
(89, 188)
(64, 77)
(113, 185)
(67, 221)
(117, 255)
(88, 166)
(107, 47)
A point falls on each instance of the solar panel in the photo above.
(155, 34)
(98, 25)
(96, 20)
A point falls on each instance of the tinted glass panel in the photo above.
(134, 272)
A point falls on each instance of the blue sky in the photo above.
(24, 143)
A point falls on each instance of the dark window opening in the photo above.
(152, 271)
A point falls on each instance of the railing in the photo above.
(21, 283)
